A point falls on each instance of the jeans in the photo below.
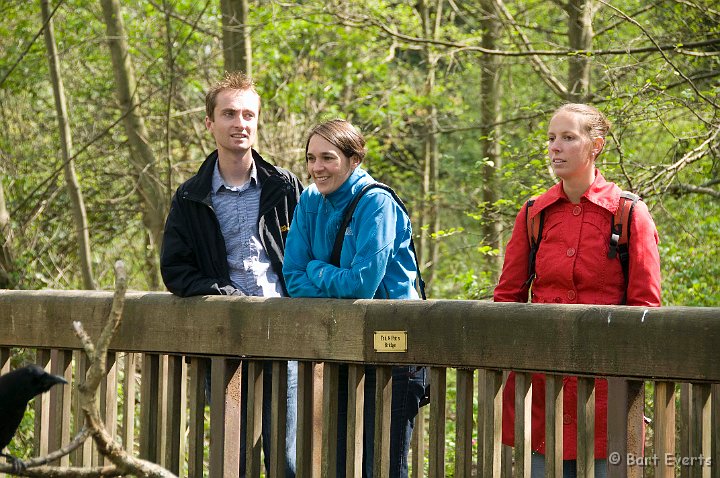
(291, 425)
(408, 387)
(569, 467)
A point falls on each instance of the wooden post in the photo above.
(278, 417)
(108, 403)
(254, 419)
(61, 398)
(523, 404)
(128, 423)
(196, 394)
(492, 424)
(330, 422)
(464, 423)
(150, 409)
(81, 457)
(625, 426)
(701, 421)
(438, 393)
(305, 428)
(554, 416)
(664, 428)
(176, 415)
(383, 406)
(355, 423)
(418, 445)
(586, 427)
(42, 409)
(225, 400)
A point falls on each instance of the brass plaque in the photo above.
(390, 341)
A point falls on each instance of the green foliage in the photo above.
(360, 60)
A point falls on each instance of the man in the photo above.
(226, 230)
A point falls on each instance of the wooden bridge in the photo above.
(154, 399)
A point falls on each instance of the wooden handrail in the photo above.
(668, 343)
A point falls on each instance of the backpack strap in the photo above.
(534, 231)
(347, 217)
(620, 232)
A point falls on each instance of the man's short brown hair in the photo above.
(232, 81)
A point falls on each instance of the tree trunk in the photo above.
(490, 117)
(237, 47)
(150, 187)
(580, 35)
(6, 256)
(429, 246)
(71, 182)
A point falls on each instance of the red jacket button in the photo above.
(570, 252)
(571, 294)
(577, 210)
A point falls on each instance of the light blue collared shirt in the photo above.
(237, 209)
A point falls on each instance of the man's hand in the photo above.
(228, 290)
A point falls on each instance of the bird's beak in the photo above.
(51, 380)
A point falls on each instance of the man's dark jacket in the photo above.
(193, 259)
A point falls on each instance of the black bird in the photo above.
(17, 388)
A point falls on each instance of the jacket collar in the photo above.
(199, 186)
(601, 192)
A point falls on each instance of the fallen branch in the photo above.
(123, 464)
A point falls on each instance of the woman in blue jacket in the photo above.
(375, 262)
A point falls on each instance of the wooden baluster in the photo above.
(585, 427)
(278, 417)
(150, 408)
(305, 426)
(383, 407)
(61, 400)
(129, 388)
(196, 395)
(176, 415)
(523, 403)
(554, 418)
(225, 399)
(330, 419)
(355, 417)
(108, 403)
(438, 392)
(254, 419)
(664, 428)
(464, 423)
(42, 409)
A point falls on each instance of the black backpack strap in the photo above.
(347, 217)
(534, 230)
(620, 233)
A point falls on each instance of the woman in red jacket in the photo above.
(572, 266)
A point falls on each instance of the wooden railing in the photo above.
(160, 353)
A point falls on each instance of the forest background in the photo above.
(102, 116)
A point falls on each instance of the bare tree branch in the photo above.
(364, 20)
(689, 188)
(30, 43)
(662, 52)
(669, 172)
(123, 463)
(537, 64)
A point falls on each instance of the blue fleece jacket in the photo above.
(376, 260)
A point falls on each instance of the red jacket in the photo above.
(573, 272)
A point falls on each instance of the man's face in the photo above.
(235, 121)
